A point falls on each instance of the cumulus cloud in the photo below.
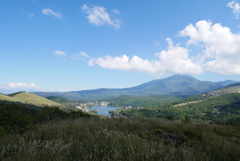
(218, 47)
(59, 53)
(98, 16)
(235, 6)
(174, 60)
(219, 44)
(22, 86)
(48, 11)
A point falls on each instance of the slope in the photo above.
(222, 109)
(58, 99)
(8, 98)
(232, 88)
(34, 99)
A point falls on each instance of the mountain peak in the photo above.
(178, 84)
(181, 77)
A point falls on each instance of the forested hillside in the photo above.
(15, 117)
(222, 109)
(146, 101)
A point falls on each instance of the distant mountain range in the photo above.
(174, 85)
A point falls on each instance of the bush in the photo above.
(186, 119)
(170, 117)
(122, 139)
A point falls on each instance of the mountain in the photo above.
(175, 85)
(178, 85)
(228, 82)
(27, 98)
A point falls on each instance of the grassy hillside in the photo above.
(132, 139)
(8, 98)
(34, 99)
(222, 109)
(233, 88)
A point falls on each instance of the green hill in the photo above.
(27, 98)
(222, 109)
(232, 88)
(8, 98)
(58, 99)
(34, 99)
(144, 101)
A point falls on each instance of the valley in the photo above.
(143, 122)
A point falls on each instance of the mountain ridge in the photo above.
(175, 85)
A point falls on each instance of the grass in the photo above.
(7, 98)
(27, 98)
(34, 99)
(122, 139)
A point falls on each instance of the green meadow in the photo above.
(136, 139)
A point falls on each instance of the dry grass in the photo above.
(121, 139)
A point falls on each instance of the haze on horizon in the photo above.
(48, 45)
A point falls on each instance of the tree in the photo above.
(170, 117)
(186, 119)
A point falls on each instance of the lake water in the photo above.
(104, 110)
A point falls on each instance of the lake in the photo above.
(103, 110)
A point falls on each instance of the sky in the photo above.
(70, 45)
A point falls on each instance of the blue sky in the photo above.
(48, 45)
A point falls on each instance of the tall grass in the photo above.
(122, 139)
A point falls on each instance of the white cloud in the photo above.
(80, 55)
(99, 17)
(174, 60)
(236, 8)
(59, 53)
(115, 11)
(219, 44)
(219, 53)
(22, 86)
(48, 11)
(31, 15)
(84, 54)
